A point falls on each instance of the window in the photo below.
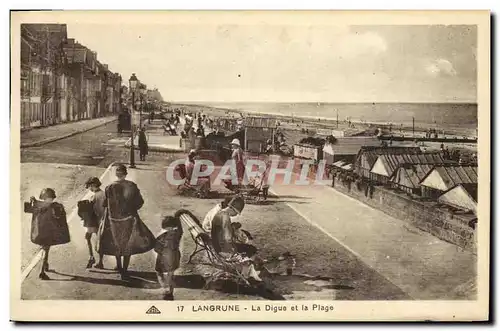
(36, 112)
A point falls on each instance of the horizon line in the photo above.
(328, 102)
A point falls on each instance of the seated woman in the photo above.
(226, 241)
(207, 221)
(203, 182)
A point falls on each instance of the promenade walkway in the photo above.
(45, 135)
(421, 265)
(158, 141)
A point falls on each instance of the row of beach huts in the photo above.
(406, 168)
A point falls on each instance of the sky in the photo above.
(291, 63)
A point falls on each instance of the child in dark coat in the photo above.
(168, 254)
(92, 212)
(49, 226)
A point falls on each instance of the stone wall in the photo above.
(427, 216)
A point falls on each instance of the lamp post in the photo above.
(133, 85)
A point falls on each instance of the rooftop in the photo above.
(260, 122)
(352, 145)
(448, 176)
(373, 152)
(410, 175)
(393, 161)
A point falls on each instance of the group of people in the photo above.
(112, 221)
(111, 217)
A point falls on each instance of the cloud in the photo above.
(341, 42)
(441, 67)
(359, 44)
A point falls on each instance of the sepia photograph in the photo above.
(248, 165)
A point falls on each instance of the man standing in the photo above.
(143, 144)
(238, 158)
(123, 233)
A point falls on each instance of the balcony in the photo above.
(60, 93)
(25, 92)
(47, 92)
(25, 74)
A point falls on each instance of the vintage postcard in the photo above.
(250, 165)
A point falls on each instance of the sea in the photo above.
(456, 117)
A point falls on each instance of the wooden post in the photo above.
(273, 131)
(246, 139)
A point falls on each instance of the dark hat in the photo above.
(93, 181)
(169, 221)
(226, 201)
(121, 168)
(236, 225)
(47, 193)
(238, 203)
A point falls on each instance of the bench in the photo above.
(203, 243)
(168, 129)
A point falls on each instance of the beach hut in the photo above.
(257, 131)
(367, 156)
(443, 178)
(386, 165)
(462, 196)
(346, 148)
(408, 177)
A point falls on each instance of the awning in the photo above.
(347, 167)
(339, 163)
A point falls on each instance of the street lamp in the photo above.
(133, 85)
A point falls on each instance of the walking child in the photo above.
(92, 212)
(168, 254)
(49, 226)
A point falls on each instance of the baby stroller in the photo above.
(199, 190)
(255, 191)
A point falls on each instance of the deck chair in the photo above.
(203, 243)
(196, 190)
(252, 192)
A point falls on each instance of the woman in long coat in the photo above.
(122, 233)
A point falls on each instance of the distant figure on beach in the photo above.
(200, 132)
(269, 146)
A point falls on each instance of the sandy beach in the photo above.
(297, 122)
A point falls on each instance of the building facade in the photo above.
(62, 80)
